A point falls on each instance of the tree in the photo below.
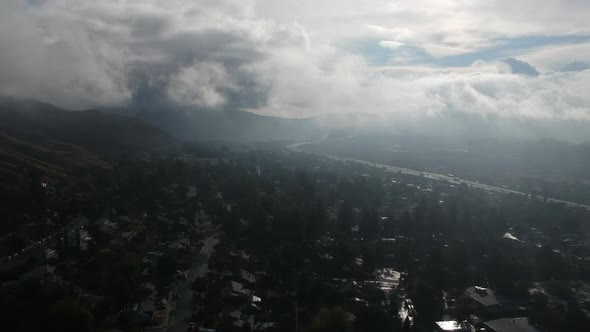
(464, 307)
(165, 268)
(78, 246)
(200, 284)
(67, 316)
(35, 184)
(375, 319)
(407, 324)
(407, 224)
(345, 217)
(66, 242)
(369, 226)
(330, 320)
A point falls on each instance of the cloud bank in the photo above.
(302, 58)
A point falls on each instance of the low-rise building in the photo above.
(454, 326)
(520, 324)
(486, 303)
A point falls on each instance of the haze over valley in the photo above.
(295, 165)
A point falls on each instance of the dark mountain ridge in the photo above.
(219, 125)
(56, 142)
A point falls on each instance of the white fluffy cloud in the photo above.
(441, 27)
(286, 57)
(56, 61)
(201, 84)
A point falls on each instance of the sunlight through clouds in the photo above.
(293, 58)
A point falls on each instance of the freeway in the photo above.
(297, 147)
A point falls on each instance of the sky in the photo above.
(523, 60)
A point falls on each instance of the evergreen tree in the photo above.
(78, 247)
(66, 242)
(369, 226)
(345, 217)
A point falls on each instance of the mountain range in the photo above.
(56, 142)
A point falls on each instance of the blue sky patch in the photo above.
(412, 54)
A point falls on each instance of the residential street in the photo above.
(184, 305)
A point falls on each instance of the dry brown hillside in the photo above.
(58, 142)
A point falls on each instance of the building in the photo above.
(454, 326)
(483, 297)
(487, 304)
(247, 277)
(236, 290)
(490, 306)
(192, 192)
(520, 324)
(51, 255)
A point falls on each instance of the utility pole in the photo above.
(78, 246)
(296, 315)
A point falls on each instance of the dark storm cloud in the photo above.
(84, 53)
(281, 57)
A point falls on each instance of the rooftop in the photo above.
(482, 295)
(511, 325)
(247, 276)
(454, 326)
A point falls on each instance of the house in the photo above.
(81, 221)
(192, 192)
(230, 318)
(106, 226)
(247, 277)
(250, 320)
(128, 236)
(266, 326)
(126, 220)
(520, 324)
(50, 255)
(491, 306)
(233, 314)
(454, 326)
(50, 270)
(482, 296)
(240, 255)
(196, 161)
(236, 290)
(202, 217)
(238, 325)
(185, 242)
(143, 312)
(387, 279)
(49, 190)
(484, 299)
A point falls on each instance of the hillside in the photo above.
(57, 142)
(189, 123)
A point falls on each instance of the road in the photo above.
(47, 242)
(432, 176)
(184, 305)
